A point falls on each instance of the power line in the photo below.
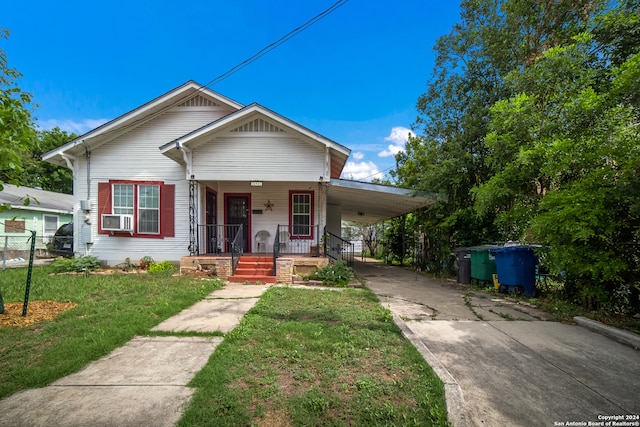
(291, 34)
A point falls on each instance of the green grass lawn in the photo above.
(316, 358)
(111, 310)
(299, 357)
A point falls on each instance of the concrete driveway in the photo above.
(502, 362)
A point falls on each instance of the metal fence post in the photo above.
(4, 253)
(30, 269)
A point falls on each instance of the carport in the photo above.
(370, 203)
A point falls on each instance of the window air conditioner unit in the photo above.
(117, 222)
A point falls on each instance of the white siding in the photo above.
(275, 192)
(136, 156)
(274, 156)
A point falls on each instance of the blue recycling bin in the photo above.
(516, 269)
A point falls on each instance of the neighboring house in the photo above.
(44, 213)
(182, 174)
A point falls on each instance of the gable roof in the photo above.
(118, 126)
(40, 200)
(274, 121)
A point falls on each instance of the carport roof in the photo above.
(371, 203)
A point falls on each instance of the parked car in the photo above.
(62, 241)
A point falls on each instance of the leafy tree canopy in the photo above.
(529, 129)
(17, 134)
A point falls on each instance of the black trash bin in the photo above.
(463, 260)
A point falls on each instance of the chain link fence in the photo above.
(15, 250)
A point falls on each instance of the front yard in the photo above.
(299, 357)
(110, 310)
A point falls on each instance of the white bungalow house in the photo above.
(193, 174)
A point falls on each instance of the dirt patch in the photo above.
(37, 311)
(273, 417)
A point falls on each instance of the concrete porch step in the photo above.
(252, 279)
(254, 268)
(256, 258)
(248, 271)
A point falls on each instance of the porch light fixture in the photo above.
(256, 183)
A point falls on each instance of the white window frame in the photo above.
(46, 236)
(308, 215)
(145, 208)
(123, 208)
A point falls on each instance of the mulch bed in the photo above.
(37, 311)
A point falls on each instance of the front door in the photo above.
(236, 213)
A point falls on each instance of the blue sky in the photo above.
(354, 76)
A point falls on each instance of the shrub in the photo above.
(63, 265)
(338, 274)
(86, 264)
(163, 268)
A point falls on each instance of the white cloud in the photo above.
(72, 126)
(358, 155)
(361, 171)
(398, 137)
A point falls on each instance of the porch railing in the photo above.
(297, 240)
(237, 245)
(337, 248)
(217, 238)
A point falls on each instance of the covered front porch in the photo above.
(281, 261)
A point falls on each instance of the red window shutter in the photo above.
(167, 210)
(104, 203)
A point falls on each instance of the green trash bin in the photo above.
(483, 263)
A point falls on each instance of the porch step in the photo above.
(253, 271)
(252, 279)
(252, 268)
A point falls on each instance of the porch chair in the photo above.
(262, 240)
(284, 240)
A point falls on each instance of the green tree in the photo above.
(17, 131)
(451, 157)
(37, 173)
(590, 221)
(563, 150)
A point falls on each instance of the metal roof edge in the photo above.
(382, 188)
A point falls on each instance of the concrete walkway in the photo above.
(143, 383)
(501, 361)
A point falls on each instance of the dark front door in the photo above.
(237, 212)
(214, 235)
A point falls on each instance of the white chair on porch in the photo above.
(262, 240)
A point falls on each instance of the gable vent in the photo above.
(258, 125)
(198, 101)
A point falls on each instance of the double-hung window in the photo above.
(123, 199)
(149, 209)
(301, 205)
(151, 204)
(145, 205)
